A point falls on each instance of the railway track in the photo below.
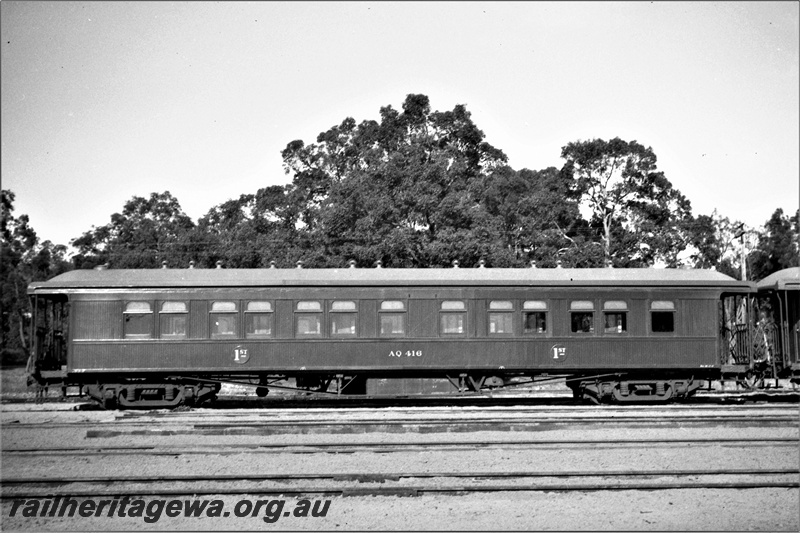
(486, 456)
(366, 426)
(95, 430)
(532, 397)
(456, 414)
(486, 410)
(394, 447)
(406, 483)
(271, 429)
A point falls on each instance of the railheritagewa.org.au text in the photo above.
(152, 511)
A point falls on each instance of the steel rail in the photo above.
(356, 427)
(472, 408)
(702, 397)
(338, 447)
(234, 489)
(790, 420)
(393, 476)
(478, 409)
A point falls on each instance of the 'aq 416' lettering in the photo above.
(407, 353)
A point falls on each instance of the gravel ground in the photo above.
(679, 510)
(483, 460)
(669, 510)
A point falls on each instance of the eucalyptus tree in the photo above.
(778, 245)
(404, 190)
(146, 233)
(252, 231)
(23, 259)
(538, 216)
(640, 216)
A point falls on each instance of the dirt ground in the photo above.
(670, 510)
(758, 509)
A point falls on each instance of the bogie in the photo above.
(636, 391)
(152, 395)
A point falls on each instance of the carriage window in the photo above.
(452, 324)
(534, 317)
(308, 321)
(582, 316)
(172, 320)
(258, 319)
(662, 316)
(343, 318)
(501, 323)
(138, 320)
(615, 317)
(393, 318)
(452, 319)
(224, 318)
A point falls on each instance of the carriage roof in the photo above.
(787, 279)
(384, 277)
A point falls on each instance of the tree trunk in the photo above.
(22, 340)
(607, 241)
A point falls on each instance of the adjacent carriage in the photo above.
(777, 327)
(169, 336)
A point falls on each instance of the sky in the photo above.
(104, 101)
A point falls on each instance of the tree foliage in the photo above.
(23, 260)
(252, 231)
(640, 216)
(415, 188)
(405, 190)
(146, 233)
(778, 245)
(715, 241)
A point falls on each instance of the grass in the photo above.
(13, 380)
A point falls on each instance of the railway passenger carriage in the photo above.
(168, 336)
(778, 326)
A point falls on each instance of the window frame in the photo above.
(616, 309)
(318, 313)
(248, 314)
(533, 310)
(236, 321)
(401, 313)
(461, 312)
(672, 310)
(581, 310)
(334, 313)
(507, 312)
(126, 313)
(163, 314)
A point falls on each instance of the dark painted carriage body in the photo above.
(98, 350)
(780, 324)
